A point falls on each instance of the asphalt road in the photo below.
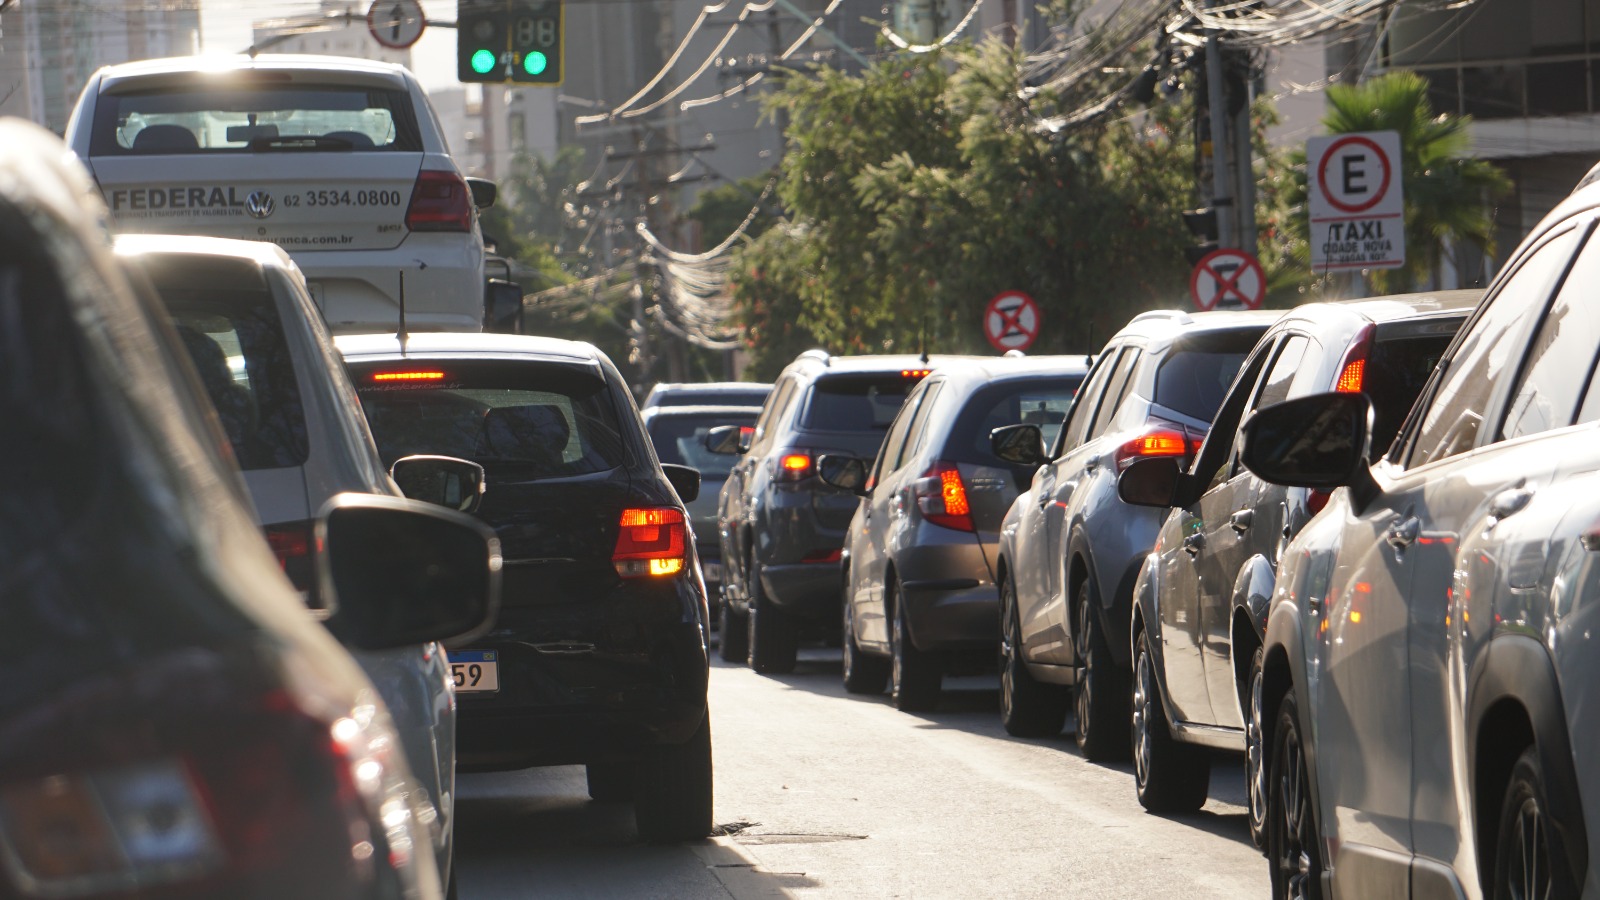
(824, 794)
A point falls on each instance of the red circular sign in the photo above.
(396, 24)
(1333, 151)
(1228, 277)
(1011, 321)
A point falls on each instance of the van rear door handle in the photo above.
(1241, 520)
(1509, 502)
(1403, 534)
(1194, 543)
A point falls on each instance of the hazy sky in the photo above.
(225, 27)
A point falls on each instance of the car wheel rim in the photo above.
(1528, 875)
(1255, 765)
(1295, 838)
(896, 640)
(849, 641)
(1007, 655)
(1143, 709)
(1082, 691)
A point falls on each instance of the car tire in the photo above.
(1028, 708)
(1169, 775)
(1529, 860)
(1294, 843)
(863, 674)
(610, 781)
(915, 676)
(1101, 698)
(733, 637)
(771, 637)
(674, 790)
(1255, 761)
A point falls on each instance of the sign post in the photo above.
(1356, 202)
(1011, 321)
(396, 23)
(1228, 279)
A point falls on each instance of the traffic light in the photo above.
(481, 40)
(515, 40)
(1202, 223)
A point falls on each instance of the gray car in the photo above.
(1200, 605)
(1429, 674)
(709, 393)
(918, 566)
(1070, 549)
(297, 431)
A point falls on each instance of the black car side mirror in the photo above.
(1320, 441)
(1020, 444)
(1152, 481)
(484, 191)
(449, 482)
(729, 440)
(684, 479)
(400, 572)
(841, 471)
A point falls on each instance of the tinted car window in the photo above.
(538, 421)
(1043, 403)
(1281, 378)
(227, 319)
(895, 440)
(856, 402)
(1083, 410)
(752, 397)
(682, 440)
(1560, 358)
(1396, 372)
(1194, 376)
(774, 408)
(919, 425)
(1116, 389)
(254, 119)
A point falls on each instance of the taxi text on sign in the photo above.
(1356, 201)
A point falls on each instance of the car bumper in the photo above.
(951, 602)
(804, 590)
(358, 290)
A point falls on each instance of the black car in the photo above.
(599, 654)
(175, 723)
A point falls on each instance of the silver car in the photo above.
(297, 431)
(1429, 669)
(919, 587)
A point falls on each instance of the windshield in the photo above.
(856, 402)
(254, 119)
(681, 440)
(1194, 377)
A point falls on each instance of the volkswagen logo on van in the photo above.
(259, 204)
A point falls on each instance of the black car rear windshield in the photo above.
(1042, 402)
(524, 419)
(753, 397)
(225, 314)
(856, 403)
(682, 440)
(1196, 373)
(1396, 372)
(254, 118)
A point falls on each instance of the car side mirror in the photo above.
(484, 192)
(1020, 444)
(449, 482)
(841, 471)
(399, 572)
(502, 306)
(1152, 481)
(684, 479)
(1320, 441)
(729, 440)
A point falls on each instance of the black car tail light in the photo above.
(292, 544)
(793, 465)
(439, 202)
(941, 497)
(651, 542)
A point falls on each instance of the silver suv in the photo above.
(1429, 671)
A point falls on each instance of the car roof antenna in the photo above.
(400, 334)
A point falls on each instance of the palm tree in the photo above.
(1447, 193)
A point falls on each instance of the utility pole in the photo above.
(1221, 186)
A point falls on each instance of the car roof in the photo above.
(292, 66)
(705, 411)
(1395, 307)
(815, 363)
(484, 345)
(261, 253)
(711, 387)
(989, 369)
(1164, 325)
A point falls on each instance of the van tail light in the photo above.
(651, 542)
(941, 497)
(292, 543)
(794, 466)
(269, 802)
(439, 202)
(1315, 501)
(1353, 368)
(1159, 439)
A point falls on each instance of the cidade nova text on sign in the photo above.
(1356, 243)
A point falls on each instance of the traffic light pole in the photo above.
(1222, 186)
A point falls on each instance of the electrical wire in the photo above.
(895, 39)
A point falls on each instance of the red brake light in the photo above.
(1353, 370)
(408, 376)
(1316, 500)
(794, 466)
(824, 556)
(650, 542)
(942, 498)
(915, 373)
(291, 543)
(439, 202)
(1159, 442)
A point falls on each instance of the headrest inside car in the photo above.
(165, 137)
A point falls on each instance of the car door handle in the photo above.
(1509, 502)
(1194, 543)
(1092, 463)
(1403, 534)
(1241, 520)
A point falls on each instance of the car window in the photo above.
(1084, 406)
(690, 397)
(1194, 376)
(1489, 352)
(1561, 356)
(1218, 457)
(1042, 402)
(1116, 390)
(774, 408)
(527, 420)
(227, 320)
(1396, 372)
(253, 119)
(1280, 378)
(919, 426)
(894, 441)
(681, 440)
(856, 403)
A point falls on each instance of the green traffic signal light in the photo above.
(483, 62)
(535, 63)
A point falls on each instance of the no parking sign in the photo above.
(1011, 321)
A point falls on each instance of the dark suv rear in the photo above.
(782, 529)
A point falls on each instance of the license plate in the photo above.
(475, 670)
(712, 571)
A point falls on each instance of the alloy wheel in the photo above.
(1008, 651)
(1081, 692)
(1528, 877)
(1143, 709)
(1296, 834)
(1255, 754)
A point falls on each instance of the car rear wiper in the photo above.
(292, 143)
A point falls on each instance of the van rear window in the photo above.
(856, 403)
(1195, 375)
(255, 118)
